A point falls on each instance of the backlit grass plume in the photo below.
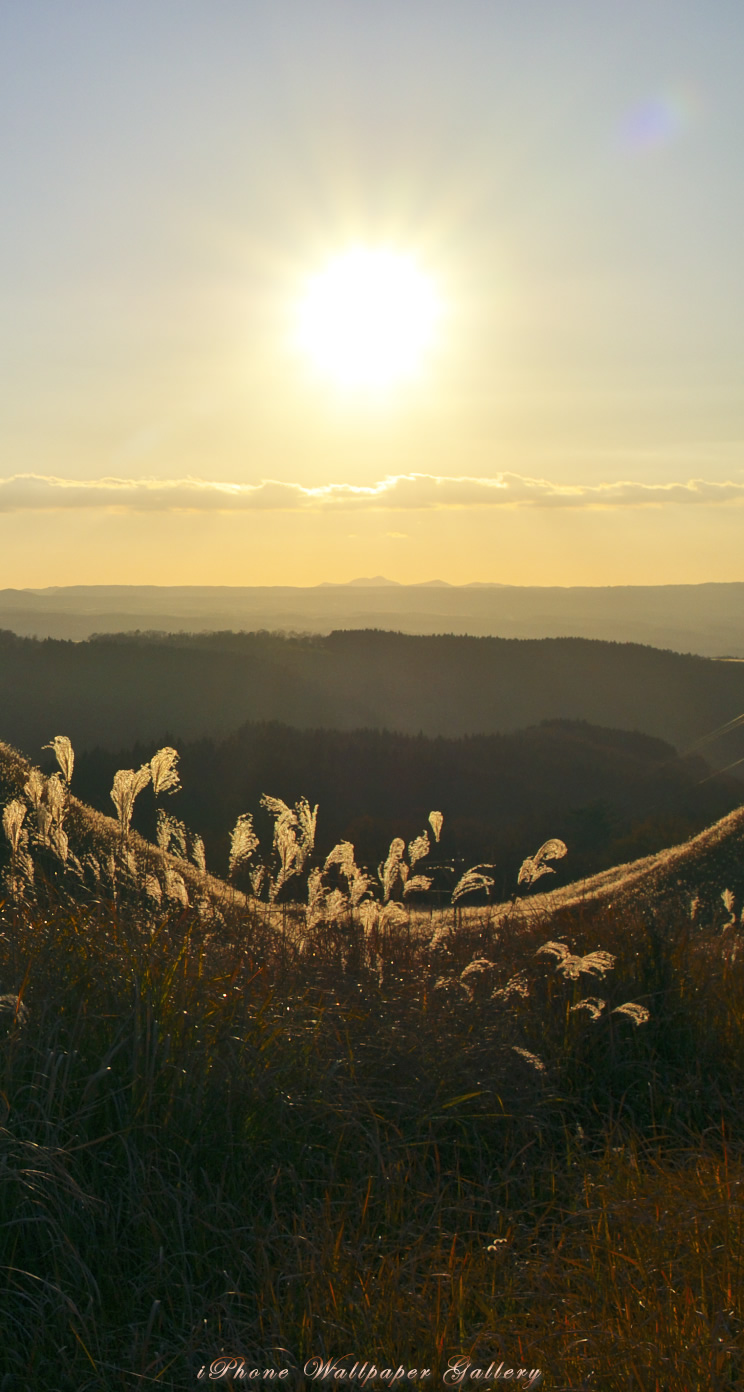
(13, 818)
(394, 868)
(163, 771)
(471, 881)
(171, 835)
(294, 836)
(64, 755)
(128, 784)
(243, 842)
(534, 866)
(571, 966)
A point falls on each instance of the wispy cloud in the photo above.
(401, 492)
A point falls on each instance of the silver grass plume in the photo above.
(34, 787)
(369, 915)
(393, 868)
(152, 888)
(637, 1013)
(534, 866)
(476, 975)
(417, 882)
(729, 899)
(516, 986)
(257, 878)
(175, 887)
(307, 820)
(276, 806)
(63, 752)
(316, 897)
(171, 835)
(477, 967)
(54, 796)
(199, 855)
(418, 848)
(471, 880)
(243, 841)
(572, 966)
(594, 1006)
(163, 771)
(48, 797)
(336, 906)
(294, 836)
(393, 916)
(343, 856)
(59, 842)
(359, 885)
(128, 784)
(22, 867)
(13, 818)
(447, 984)
(288, 847)
(357, 880)
(532, 1059)
(436, 822)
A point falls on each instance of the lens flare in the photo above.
(660, 120)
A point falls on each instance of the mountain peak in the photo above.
(372, 582)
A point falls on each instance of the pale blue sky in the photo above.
(569, 174)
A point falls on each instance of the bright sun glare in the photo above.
(368, 318)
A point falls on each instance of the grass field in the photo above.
(269, 1144)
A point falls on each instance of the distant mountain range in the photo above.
(703, 619)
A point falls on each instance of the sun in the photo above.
(368, 318)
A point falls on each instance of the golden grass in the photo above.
(228, 1144)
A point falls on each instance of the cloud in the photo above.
(401, 492)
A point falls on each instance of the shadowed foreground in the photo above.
(244, 1149)
(505, 1134)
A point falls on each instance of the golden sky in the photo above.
(566, 177)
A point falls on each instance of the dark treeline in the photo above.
(116, 690)
(611, 795)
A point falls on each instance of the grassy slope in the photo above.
(243, 1149)
(93, 833)
(322, 1143)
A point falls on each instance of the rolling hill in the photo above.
(706, 619)
(114, 691)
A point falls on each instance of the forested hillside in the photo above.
(113, 691)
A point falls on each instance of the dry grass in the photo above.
(408, 1136)
(245, 1147)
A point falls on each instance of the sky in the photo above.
(566, 175)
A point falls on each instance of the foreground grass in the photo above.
(269, 1149)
